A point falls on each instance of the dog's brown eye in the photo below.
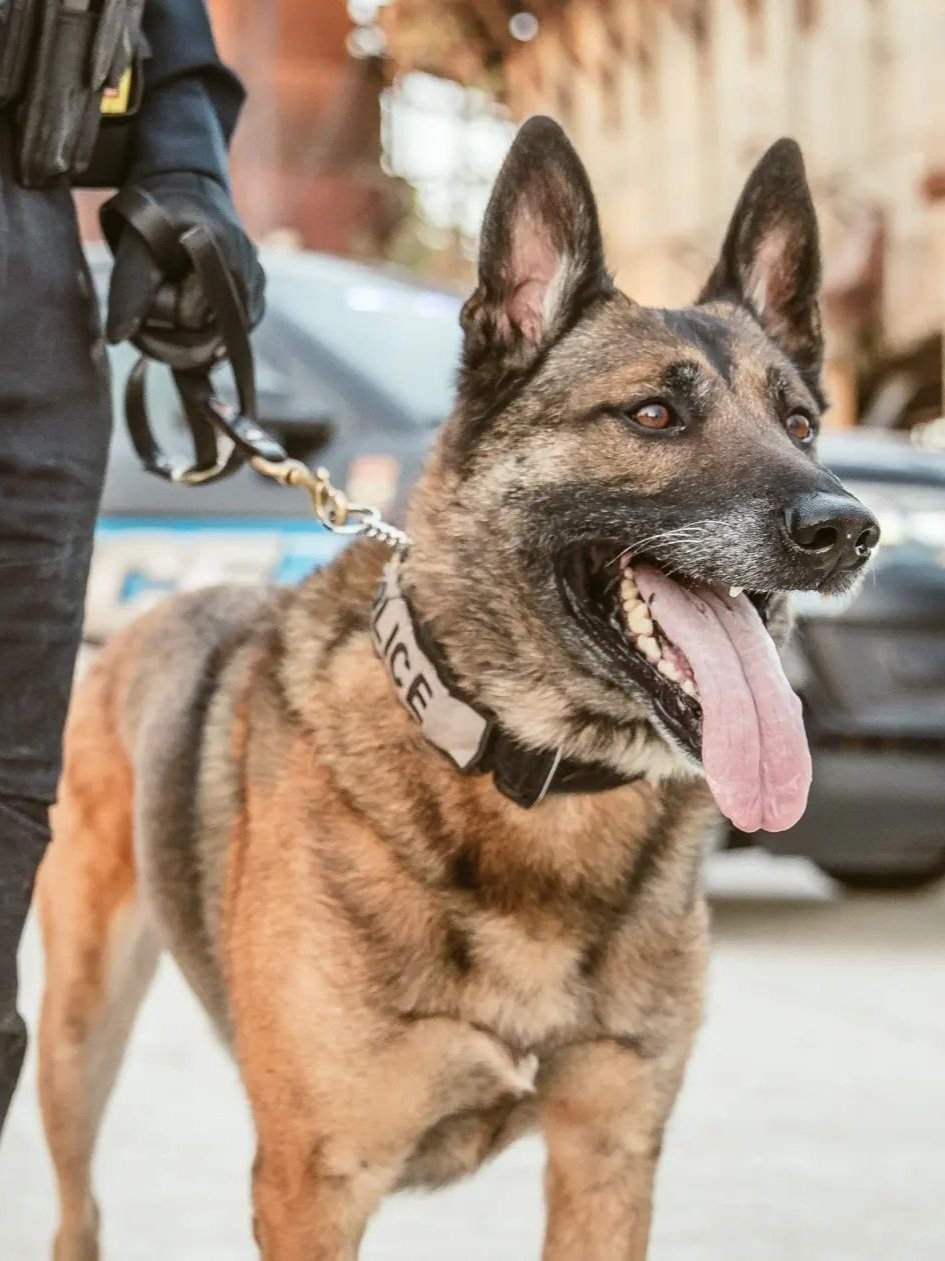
(652, 416)
(799, 427)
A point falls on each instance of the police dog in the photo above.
(411, 964)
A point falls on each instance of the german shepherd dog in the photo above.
(414, 965)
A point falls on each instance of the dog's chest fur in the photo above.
(417, 887)
(538, 926)
(541, 925)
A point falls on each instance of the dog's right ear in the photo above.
(541, 259)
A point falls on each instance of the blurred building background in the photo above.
(671, 101)
(374, 129)
(307, 156)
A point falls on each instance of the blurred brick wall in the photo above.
(306, 155)
(670, 103)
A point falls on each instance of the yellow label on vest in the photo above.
(115, 100)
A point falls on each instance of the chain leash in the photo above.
(331, 506)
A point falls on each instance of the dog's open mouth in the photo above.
(711, 673)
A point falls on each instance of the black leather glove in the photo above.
(166, 316)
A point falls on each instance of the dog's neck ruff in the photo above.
(470, 736)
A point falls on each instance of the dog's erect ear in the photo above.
(771, 256)
(541, 258)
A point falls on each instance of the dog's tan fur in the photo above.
(392, 940)
(410, 969)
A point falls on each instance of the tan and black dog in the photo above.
(425, 836)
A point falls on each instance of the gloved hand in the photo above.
(167, 317)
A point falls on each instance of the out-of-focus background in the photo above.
(374, 130)
(812, 1126)
(668, 101)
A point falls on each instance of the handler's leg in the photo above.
(23, 836)
(604, 1107)
(54, 431)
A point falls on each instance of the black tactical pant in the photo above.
(54, 432)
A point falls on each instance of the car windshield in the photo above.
(402, 337)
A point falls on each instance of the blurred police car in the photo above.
(355, 370)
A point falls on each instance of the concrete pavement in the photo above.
(811, 1127)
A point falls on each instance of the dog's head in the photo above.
(624, 494)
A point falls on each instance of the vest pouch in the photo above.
(59, 117)
(18, 20)
(110, 159)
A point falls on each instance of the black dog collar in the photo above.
(470, 737)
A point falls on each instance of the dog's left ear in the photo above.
(771, 256)
(541, 258)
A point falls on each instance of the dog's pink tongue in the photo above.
(754, 747)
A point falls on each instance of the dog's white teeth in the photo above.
(633, 605)
(689, 688)
(649, 647)
(669, 670)
(735, 592)
(639, 620)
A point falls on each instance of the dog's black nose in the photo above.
(833, 531)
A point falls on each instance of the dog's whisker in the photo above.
(694, 531)
(688, 534)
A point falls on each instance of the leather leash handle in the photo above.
(208, 418)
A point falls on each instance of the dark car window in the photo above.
(403, 337)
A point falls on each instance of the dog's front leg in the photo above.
(336, 1133)
(603, 1109)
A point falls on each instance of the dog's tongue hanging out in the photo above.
(754, 747)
